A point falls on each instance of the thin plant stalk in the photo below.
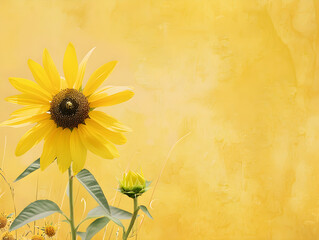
(36, 198)
(136, 208)
(162, 169)
(73, 231)
(2, 174)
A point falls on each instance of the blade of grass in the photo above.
(2, 173)
(162, 170)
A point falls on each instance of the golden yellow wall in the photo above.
(237, 80)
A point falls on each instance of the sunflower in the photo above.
(64, 112)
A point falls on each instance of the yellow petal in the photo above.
(97, 144)
(63, 149)
(25, 119)
(108, 122)
(98, 77)
(127, 178)
(110, 90)
(30, 110)
(130, 183)
(78, 151)
(27, 99)
(121, 183)
(123, 180)
(114, 137)
(41, 76)
(63, 83)
(70, 65)
(30, 87)
(103, 89)
(134, 177)
(141, 179)
(34, 136)
(111, 97)
(51, 70)
(49, 149)
(81, 71)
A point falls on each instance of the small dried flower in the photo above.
(50, 230)
(3, 220)
(7, 236)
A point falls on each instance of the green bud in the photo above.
(133, 184)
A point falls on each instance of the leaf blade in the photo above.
(100, 212)
(34, 211)
(120, 213)
(95, 227)
(81, 234)
(91, 185)
(145, 210)
(115, 213)
(30, 169)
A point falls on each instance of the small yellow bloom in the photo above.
(7, 236)
(3, 220)
(50, 230)
(37, 237)
(133, 184)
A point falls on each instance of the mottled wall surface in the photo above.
(227, 95)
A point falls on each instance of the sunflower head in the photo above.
(3, 220)
(50, 230)
(133, 184)
(7, 236)
(64, 111)
(37, 237)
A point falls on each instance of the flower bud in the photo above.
(133, 184)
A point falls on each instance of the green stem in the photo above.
(136, 208)
(73, 231)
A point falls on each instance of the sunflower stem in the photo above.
(73, 231)
(136, 208)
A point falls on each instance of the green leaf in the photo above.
(115, 213)
(117, 221)
(120, 213)
(92, 186)
(100, 212)
(10, 215)
(34, 211)
(94, 228)
(144, 209)
(147, 183)
(33, 166)
(81, 234)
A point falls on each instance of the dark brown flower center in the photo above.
(69, 108)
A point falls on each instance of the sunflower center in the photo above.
(69, 108)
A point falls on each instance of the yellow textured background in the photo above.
(238, 81)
